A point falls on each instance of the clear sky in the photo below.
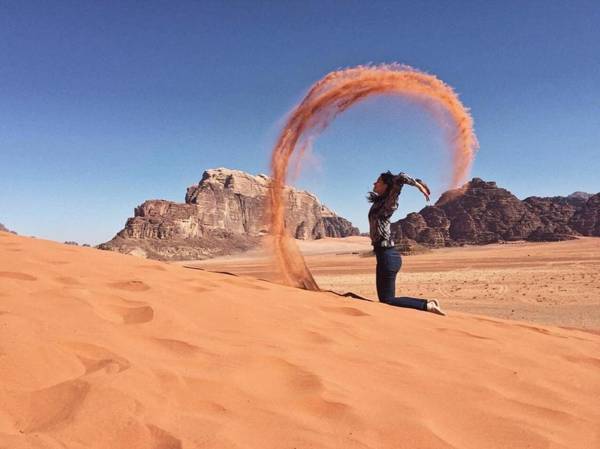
(105, 104)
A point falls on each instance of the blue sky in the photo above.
(107, 104)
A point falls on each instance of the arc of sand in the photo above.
(332, 95)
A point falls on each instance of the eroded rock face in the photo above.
(586, 220)
(481, 213)
(226, 212)
(486, 213)
(576, 214)
(555, 213)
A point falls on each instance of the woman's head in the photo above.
(381, 186)
(383, 183)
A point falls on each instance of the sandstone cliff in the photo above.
(226, 212)
(481, 212)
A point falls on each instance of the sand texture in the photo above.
(103, 350)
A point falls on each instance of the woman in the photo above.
(384, 197)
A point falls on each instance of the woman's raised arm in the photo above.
(403, 178)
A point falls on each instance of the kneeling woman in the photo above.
(384, 197)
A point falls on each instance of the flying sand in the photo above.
(334, 94)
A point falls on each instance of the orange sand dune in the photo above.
(102, 350)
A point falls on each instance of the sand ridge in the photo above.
(103, 350)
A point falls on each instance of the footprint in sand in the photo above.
(122, 311)
(317, 337)
(67, 280)
(349, 311)
(126, 315)
(330, 409)
(17, 276)
(180, 347)
(285, 379)
(130, 286)
(95, 358)
(282, 376)
(592, 361)
(50, 407)
(163, 439)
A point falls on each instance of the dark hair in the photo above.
(388, 180)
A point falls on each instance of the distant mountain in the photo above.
(225, 212)
(582, 195)
(481, 212)
(5, 229)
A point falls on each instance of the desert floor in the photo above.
(555, 283)
(100, 350)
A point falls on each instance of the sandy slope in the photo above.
(548, 283)
(101, 350)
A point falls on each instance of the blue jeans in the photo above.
(389, 263)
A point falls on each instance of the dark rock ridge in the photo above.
(481, 212)
(586, 219)
(5, 229)
(225, 213)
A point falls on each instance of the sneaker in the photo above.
(433, 306)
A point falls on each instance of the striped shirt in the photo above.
(382, 210)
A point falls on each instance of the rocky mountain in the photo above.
(481, 212)
(586, 219)
(224, 213)
(5, 229)
(579, 196)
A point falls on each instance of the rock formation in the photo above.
(576, 214)
(5, 229)
(555, 213)
(578, 197)
(586, 220)
(226, 212)
(481, 212)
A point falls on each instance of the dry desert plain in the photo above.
(555, 283)
(108, 351)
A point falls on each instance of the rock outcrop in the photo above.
(586, 220)
(555, 213)
(5, 229)
(225, 213)
(481, 212)
(576, 214)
